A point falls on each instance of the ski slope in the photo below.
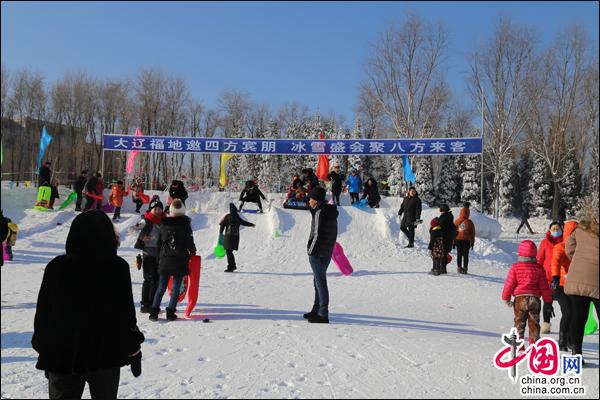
(395, 330)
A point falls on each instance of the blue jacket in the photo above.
(354, 183)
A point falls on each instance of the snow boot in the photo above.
(409, 246)
(577, 350)
(562, 341)
(171, 314)
(310, 314)
(443, 270)
(153, 314)
(229, 269)
(545, 327)
(434, 271)
(145, 310)
(317, 319)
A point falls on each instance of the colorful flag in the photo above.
(323, 164)
(223, 178)
(409, 176)
(133, 154)
(46, 139)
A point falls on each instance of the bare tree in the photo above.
(499, 70)
(554, 92)
(404, 75)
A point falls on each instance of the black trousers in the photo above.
(580, 308)
(525, 223)
(245, 199)
(230, 259)
(565, 310)
(138, 205)
(117, 213)
(353, 197)
(150, 269)
(462, 253)
(78, 201)
(336, 196)
(409, 231)
(103, 383)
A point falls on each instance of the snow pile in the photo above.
(485, 226)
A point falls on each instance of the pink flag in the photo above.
(133, 154)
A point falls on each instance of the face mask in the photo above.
(556, 234)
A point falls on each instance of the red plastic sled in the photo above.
(448, 258)
(340, 259)
(93, 196)
(145, 198)
(191, 285)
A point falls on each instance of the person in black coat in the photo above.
(309, 179)
(251, 194)
(446, 221)
(321, 241)
(524, 220)
(230, 229)
(337, 183)
(175, 245)
(78, 187)
(411, 208)
(85, 327)
(91, 188)
(177, 191)
(44, 174)
(371, 193)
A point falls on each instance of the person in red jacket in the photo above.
(526, 281)
(554, 236)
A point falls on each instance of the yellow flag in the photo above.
(224, 158)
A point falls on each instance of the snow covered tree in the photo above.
(356, 161)
(447, 190)
(270, 165)
(395, 178)
(523, 197)
(540, 188)
(424, 175)
(471, 190)
(507, 188)
(570, 190)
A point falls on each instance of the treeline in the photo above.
(540, 108)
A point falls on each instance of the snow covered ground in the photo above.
(396, 331)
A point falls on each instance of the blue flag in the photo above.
(409, 176)
(46, 139)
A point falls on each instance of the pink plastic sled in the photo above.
(108, 208)
(5, 255)
(340, 259)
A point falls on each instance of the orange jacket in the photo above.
(116, 195)
(560, 262)
(464, 226)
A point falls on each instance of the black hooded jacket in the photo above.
(337, 181)
(230, 227)
(85, 316)
(79, 183)
(371, 193)
(310, 181)
(90, 186)
(178, 192)
(449, 232)
(44, 175)
(323, 230)
(175, 243)
(251, 192)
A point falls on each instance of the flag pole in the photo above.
(102, 159)
(482, 128)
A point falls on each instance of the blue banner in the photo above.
(409, 176)
(44, 142)
(171, 144)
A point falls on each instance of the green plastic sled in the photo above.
(68, 201)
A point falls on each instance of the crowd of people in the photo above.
(565, 269)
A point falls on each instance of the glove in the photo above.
(509, 303)
(548, 309)
(136, 364)
(138, 261)
(555, 282)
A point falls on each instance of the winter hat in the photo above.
(444, 208)
(177, 208)
(156, 204)
(527, 249)
(318, 193)
(435, 222)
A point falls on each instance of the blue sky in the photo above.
(308, 52)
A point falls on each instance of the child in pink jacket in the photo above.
(526, 281)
